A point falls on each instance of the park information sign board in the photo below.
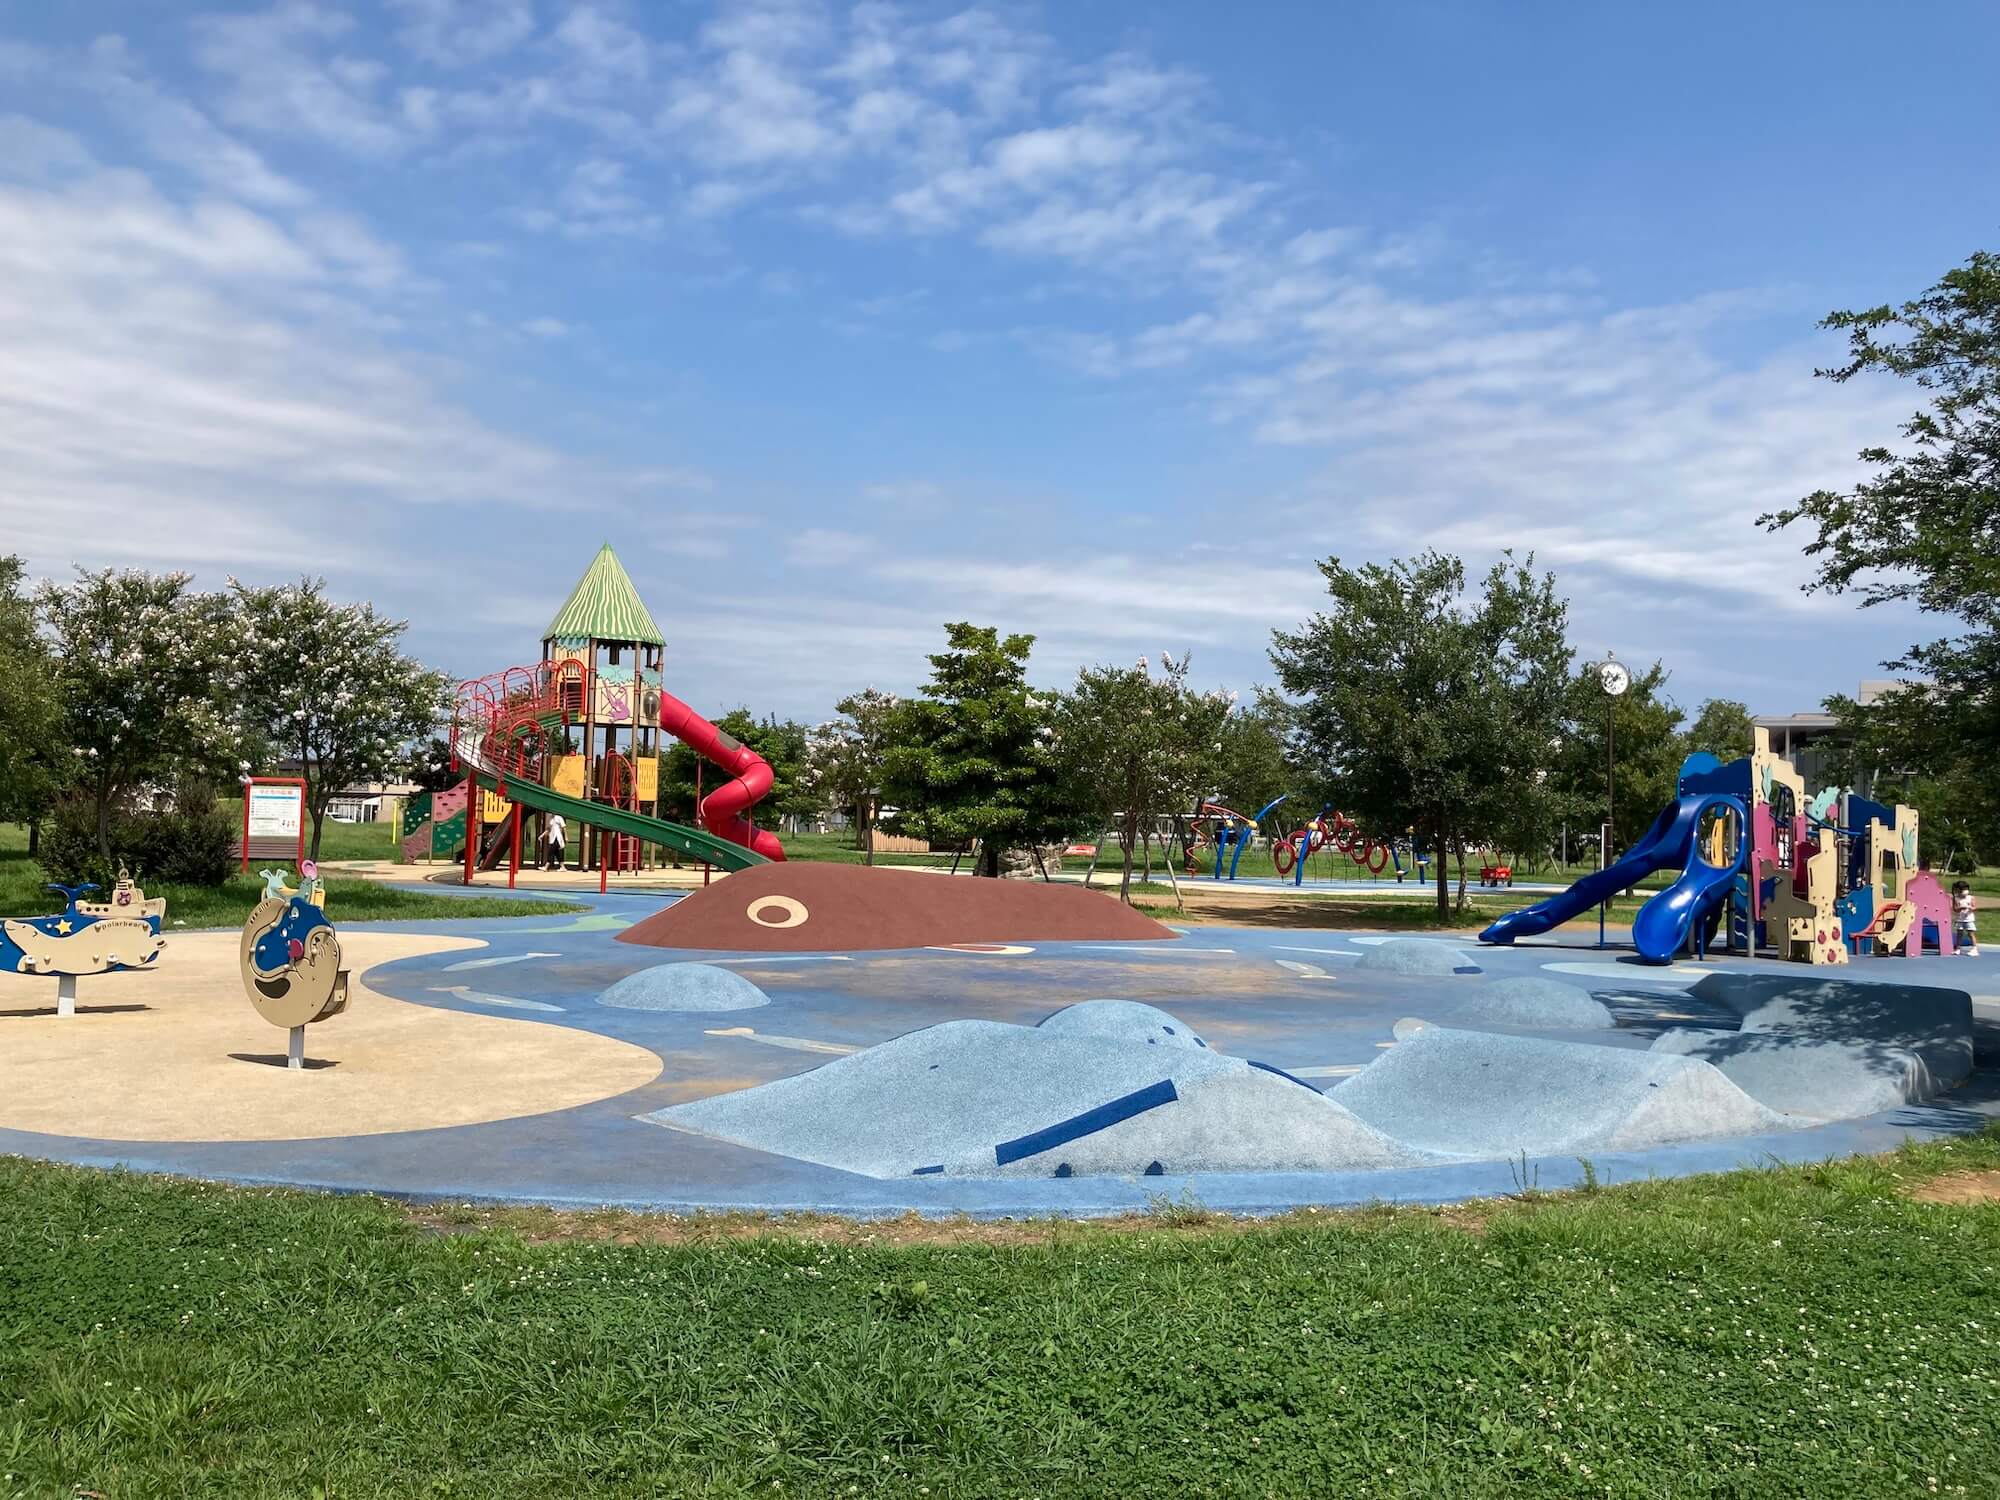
(274, 819)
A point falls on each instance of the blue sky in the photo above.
(1096, 321)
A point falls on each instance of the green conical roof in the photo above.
(605, 607)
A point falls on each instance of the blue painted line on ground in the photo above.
(1289, 1078)
(1152, 1096)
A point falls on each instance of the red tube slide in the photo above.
(721, 811)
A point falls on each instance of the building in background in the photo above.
(1809, 740)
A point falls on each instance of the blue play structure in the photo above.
(1684, 837)
(1233, 833)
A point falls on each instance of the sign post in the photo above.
(274, 819)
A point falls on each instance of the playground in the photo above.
(828, 1037)
(549, 1061)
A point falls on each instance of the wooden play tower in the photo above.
(613, 751)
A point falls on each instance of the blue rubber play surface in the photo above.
(1313, 1008)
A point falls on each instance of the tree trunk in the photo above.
(864, 817)
(34, 837)
(989, 860)
(1458, 850)
(1127, 836)
(104, 818)
(1437, 863)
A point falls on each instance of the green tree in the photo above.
(331, 690)
(844, 760)
(1647, 751)
(1254, 767)
(1898, 750)
(970, 758)
(685, 777)
(1924, 527)
(1134, 746)
(31, 718)
(429, 766)
(1428, 708)
(1722, 727)
(150, 683)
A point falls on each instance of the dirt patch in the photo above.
(541, 1226)
(1960, 1188)
(825, 908)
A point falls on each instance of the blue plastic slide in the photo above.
(1663, 923)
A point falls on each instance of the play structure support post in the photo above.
(295, 1049)
(65, 994)
(472, 826)
(514, 858)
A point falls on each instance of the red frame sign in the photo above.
(250, 786)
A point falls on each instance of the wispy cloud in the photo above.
(226, 334)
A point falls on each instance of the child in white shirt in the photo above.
(1964, 921)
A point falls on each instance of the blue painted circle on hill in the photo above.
(1122, 1020)
(684, 987)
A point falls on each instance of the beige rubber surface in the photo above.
(167, 1073)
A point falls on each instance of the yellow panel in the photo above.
(647, 769)
(492, 807)
(569, 775)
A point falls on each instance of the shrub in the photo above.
(68, 849)
(193, 843)
(190, 842)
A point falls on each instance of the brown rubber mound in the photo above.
(816, 908)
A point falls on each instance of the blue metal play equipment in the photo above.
(1702, 833)
(1232, 833)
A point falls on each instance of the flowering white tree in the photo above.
(33, 759)
(1134, 746)
(330, 688)
(844, 759)
(144, 668)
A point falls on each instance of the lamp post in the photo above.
(1613, 679)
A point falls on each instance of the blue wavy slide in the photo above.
(1663, 923)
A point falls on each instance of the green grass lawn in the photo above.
(24, 893)
(1799, 1331)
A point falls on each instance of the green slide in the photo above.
(692, 842)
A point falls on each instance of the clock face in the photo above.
(1614, 678)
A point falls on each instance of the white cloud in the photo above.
(458, 33)
(183, 382)
(191, 341)
(609, 49)
(1060, 151)
(598, 200)
(275, 79)
(34, 151)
